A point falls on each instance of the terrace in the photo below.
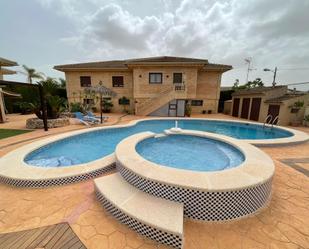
(281, 224)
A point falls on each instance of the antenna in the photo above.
(248, 61)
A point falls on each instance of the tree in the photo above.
(32, 74)
(62, 82)
(54, 102)
(236, 84)
(251, 84)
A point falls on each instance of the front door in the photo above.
(245, 108)
(255, 109)
(274, 110)
(176, 108)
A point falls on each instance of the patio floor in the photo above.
(283, 224)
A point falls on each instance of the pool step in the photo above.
(156, 218)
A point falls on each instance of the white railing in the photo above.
(268, 120)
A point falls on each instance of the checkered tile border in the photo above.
(57, 181)
(208, 206)
(146, 230)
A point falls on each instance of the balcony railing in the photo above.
(179, 87)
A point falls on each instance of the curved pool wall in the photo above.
(210, 196)
(92, 145)
(190, 152)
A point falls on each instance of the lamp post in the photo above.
(275, 74)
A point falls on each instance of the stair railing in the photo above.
(268, 120)
(275, 121)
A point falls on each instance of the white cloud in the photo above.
(222, 31)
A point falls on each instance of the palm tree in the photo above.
(32, 74)
(62, 82)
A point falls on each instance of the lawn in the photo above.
(4, 133)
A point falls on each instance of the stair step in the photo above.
(156, 218)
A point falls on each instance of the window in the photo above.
(177, 78)
(197, 102)
(88, 101)
(117, 81)
(85, 81)
(155, 78)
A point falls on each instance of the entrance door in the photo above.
(255, 109)
(235, 107)
(181, 107)
(274, 110)
(176, 108)
(245, 108)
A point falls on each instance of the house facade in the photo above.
(258, 103)
(158, 86)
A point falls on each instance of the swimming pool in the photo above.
(90, 146)
(190, 152)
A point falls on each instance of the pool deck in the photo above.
(283, 224)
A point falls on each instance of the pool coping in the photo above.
(13, 167)
(256, 169)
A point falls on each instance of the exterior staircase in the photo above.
(164, 97)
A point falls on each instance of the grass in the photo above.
(4, 133)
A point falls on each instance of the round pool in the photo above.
(190, 152)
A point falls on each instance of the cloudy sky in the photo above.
(44, 33)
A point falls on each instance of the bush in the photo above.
(76, 107)
(24, 107)
(107, 105)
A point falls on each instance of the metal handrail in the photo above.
(274, 121)
(267, 120)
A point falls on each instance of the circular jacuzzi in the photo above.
(190, 152)
(216, 177)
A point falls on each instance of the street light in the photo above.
(275, 74)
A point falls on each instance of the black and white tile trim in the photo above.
(57, 181)
(208, 206)
(146, 230)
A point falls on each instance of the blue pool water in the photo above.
(190, 152)
(93, 145)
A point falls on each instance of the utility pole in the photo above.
(275, 74)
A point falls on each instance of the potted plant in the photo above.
(124, 101)
(188, 110)
(295, 108)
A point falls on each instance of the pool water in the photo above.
(190, 153)
(93, 145)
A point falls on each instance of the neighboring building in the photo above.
(6, 63)
(155, 86)
(225, 99)
(3, 71)
(257, 103)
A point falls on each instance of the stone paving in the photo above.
(283, 224)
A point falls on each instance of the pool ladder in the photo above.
(269, 120)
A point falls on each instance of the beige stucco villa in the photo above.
(159, 86)
(257, 103)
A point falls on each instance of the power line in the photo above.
(298, 83)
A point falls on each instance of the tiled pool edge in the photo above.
(163, 237)
(206, 206)
(28, 183)
(211, 203)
